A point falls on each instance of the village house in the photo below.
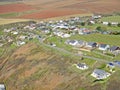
(2, 87)
(22, 37)
(82, 66)
(7, 30)
(105, 23)
(72, 42)
(1, 44)
(81, 43)
(111, 65)
(65, 35)
(116, 63)
(96, 16)
(115, 50)
(103, 47)
(83, 31)
(14, 32)
(19, 43)
(91, 44)
(100, 74)
(114, 23)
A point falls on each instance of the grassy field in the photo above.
(8, 15)
(4, 3)
(111, 19)
(7, 21)
(107, 39)
(105, 27)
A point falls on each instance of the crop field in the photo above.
(56, 8)
(14, 8)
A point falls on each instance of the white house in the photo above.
(19, 43)
(114, 23)
(72, 42)
(1, 44)
(100, 74)
(82, 66)
(66, 35)
(105, 23)
(2, 87)
(14, 32)
(103, 47)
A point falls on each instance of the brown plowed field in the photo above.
(55, 8)
(14, 8)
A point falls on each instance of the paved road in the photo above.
(74, 54)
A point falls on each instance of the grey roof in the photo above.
(103, 45)
(92, 44)
(72, 41)
(99, 72)
(80, 42)
(81, 64)
(113, 48)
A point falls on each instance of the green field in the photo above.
(111, 19)
(8, 15)
(101, 38)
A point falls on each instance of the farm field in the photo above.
(43, 42)
(57, 8)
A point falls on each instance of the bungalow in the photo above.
(82, 66)
(91, 44)
(103, 47)
(22, 37)
(14, 32)
(81, 43)
(83, 31)
(19, 43)
(1, 44)
(114, 23)
(114, 48)
(72, 42)
(65, 35)
(2, 87)
(96, 16)
(105, 23)
(7, 30)
(117, 63)
(100, 74)
(110, 65)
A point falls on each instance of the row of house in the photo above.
(92, 45)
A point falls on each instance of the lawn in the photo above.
(101, 38)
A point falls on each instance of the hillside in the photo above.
(36, 67)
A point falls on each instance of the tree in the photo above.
(118, 25)
(82, 23)
(98, 28)
(109, 24)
